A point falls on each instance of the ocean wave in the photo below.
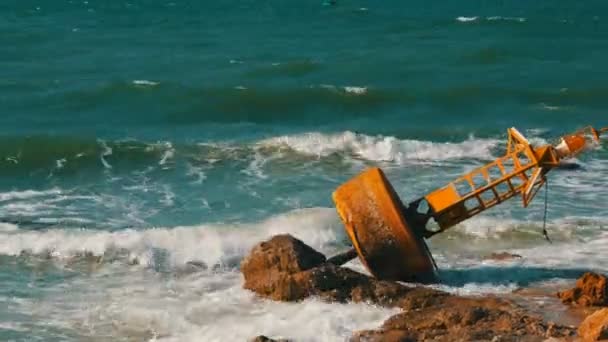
(200, 307)
(177, 104)
(499, 18)
(145, 83)
(524, 230)
(65, 155)
(62, 156)
(28, 194)
(383, 148)
(464, 19)
(212, 245)
(296, 68)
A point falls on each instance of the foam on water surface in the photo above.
(202, 306)
(163, 297)
(214, 245)
(383, 148)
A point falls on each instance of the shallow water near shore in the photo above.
(146, 146)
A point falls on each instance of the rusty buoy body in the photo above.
(389, 237)
(373, 216)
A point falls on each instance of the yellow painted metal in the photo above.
(389, 236)
(375, 222)
(521, 171)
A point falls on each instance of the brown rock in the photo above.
(282, 253)
(270, 266)
(465, 319)
(590, 290)
(503, 256)
(284, 268)
(595, 327)
(384, 336)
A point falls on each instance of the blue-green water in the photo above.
(137, 136)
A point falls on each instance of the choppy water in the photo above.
(138, 136)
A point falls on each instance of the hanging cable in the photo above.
(545, 214)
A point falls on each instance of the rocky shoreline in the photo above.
(283, 268)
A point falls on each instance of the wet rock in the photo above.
(384, 336)
(595, 327)
(283, 268)
(590, 290)
(270, 266)
(503, 256)
(465, 319)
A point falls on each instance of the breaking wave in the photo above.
(220, 245)
(66, 154)
(383, 148)
(490, 19)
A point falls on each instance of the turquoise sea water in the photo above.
(137, 136)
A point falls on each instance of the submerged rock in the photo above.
(590, 290)
(595, 327)
(503, 256)
(284, 268)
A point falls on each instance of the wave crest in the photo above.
(383, 148)
(211, 245)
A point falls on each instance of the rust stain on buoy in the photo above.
(374, 220)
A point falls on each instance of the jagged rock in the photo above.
(284, 268)
(595, 326)
(465, 319)
(270, 266)
(590, 290)
(503, 256)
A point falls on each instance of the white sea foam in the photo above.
(491, 18)
(200, 307)
(256, 166)
(145, 83)
(498, 227)
(356, 90)
(383, 148)
(168, 154)
(589, 253)
(60, 163)
(119, 300)
(8, 228)
(497, 18)
(466, 19)
(215, 245)
(28, 194)
(550, 107)
(197, 172)
(107, 151)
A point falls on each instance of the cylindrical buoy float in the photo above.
(387, 245)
